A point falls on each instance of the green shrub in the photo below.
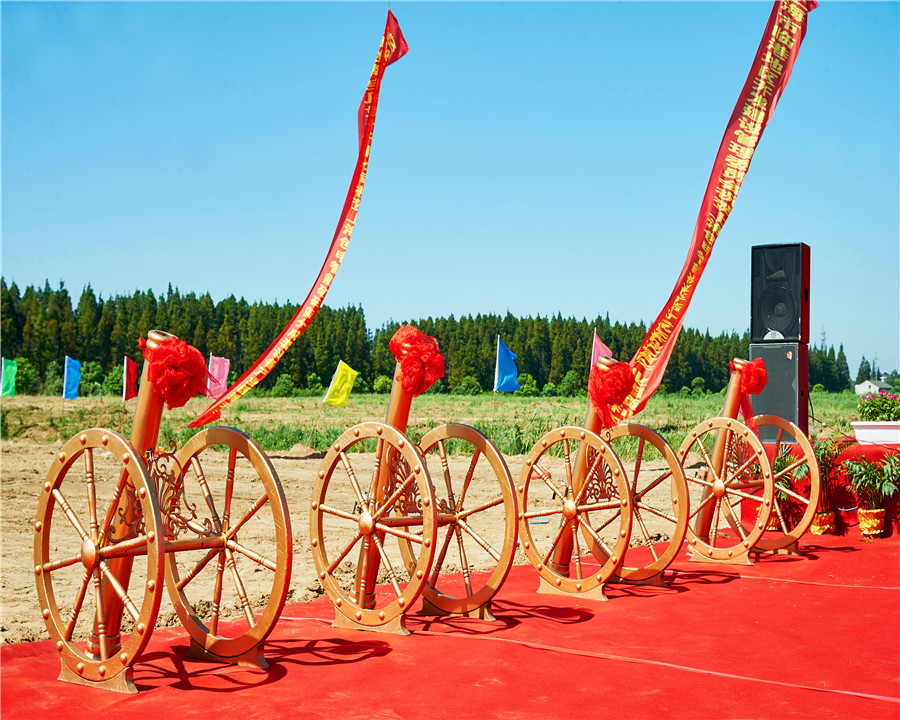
(382, 384)
(468, 386)
(527, 386)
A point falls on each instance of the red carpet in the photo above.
(816, 636)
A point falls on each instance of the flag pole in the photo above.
(315, 426)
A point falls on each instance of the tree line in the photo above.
(42, 325)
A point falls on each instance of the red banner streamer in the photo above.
(767, 79)
(392, 48)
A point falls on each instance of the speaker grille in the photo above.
(779, 293)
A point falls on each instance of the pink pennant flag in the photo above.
(599, 350)
(217, 383)
(129, 379)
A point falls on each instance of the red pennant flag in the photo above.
(599, 350)
(768, 78)
(129, 379)
(392, 48)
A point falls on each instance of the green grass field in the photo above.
(513, 423)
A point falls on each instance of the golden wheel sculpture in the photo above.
(659, 502)
(727, 463)
(571, 483)
(476, 517)
(372, 488)
(228, 544)
(795, 474)
(97, 519)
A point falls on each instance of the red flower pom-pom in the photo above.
(754, 377)
(421, 362)
(608, 386)
(177, 370)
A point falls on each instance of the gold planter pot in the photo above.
(871, 522)
(823, 523)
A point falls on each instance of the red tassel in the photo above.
(608, 386)
(754, 377)
(177, 370)
(421, 362)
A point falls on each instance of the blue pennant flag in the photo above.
(71, 379)
(506, 376)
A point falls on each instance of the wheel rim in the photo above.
(745, 476)
(795, 500)
(550, 490)
(85, 548)
(373, 488)
(659, 497)
(477, 524)
(230, 504)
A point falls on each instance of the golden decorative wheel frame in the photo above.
(795, 499)
(97, 522)
(726, 462)
(476, 516)
(571, 483)
(228, 544)
(373, 487)
(659, 495)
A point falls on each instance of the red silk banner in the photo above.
(767, 79)
(392, 48)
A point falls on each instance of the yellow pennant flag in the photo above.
(341, 385)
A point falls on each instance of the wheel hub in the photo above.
(569, 509)
(90, 554)
(366, 523)
(718, 488)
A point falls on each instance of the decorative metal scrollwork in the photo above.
(410, 503)
(168, 476)
(601, 485)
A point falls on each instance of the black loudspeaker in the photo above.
(786, 393)
(779, 293)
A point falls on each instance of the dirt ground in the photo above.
(24, 464)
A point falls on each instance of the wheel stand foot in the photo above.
(253, 658)
(596, 593)
(792, 549)
(653, 581)
(121, 683)
(481, 613)
(742, 559)
(396, 626)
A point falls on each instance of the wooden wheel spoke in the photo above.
(397, 532)
(388, 568)
(60, 564)
(645, 533)
(637, 466)
(337, 512)
(559, 534)
(239, 587)
(76, 607)
(197, 569)
(91, 493)
(217, 594)
(594, 536)
(126, 548)
(351, 475)
(113, 505)
(200, 476)
(577, 549)
(463, 560)
(743, 495)
(655, 511)
(229, 485)
(789, 470)
(100, 615)
(542, 513)
(70, 514)
(484, 506)
(567, 456)
(699, 480)
(611, 518)
(340, 558)
(608, 505)
(255, 508)
(127, 602)
(549, 484)
(482, 543)
(652, 486)
(742, 468)
(442, 554)
(702, 504)
(732, 519)
(792, 494)
(376, 469)
(469, 475)
(256, 557)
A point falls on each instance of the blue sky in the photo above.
(538, 157)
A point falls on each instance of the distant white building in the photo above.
(871, 386)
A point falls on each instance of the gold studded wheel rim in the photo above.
(229, 549)
(718, 494)
(659, 500)
(97, 510)
(796, 479)
(373, 490)
(558, 501)
(477, 525)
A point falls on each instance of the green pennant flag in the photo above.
(9, 378)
